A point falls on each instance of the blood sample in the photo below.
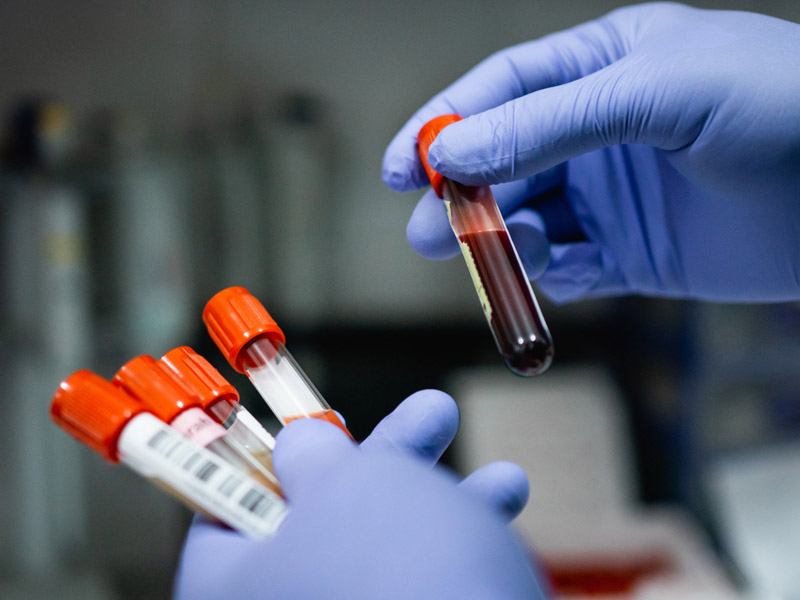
(506, 295)
(221, 400)
(121, 429)
(152, 385)
(252, 342)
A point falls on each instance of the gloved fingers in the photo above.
(429, 232)
(341, 418)
(548, 218)
(561, 221)
(305, 450)
(423, 425)
(527, 230)
(208, 538)
(622, 103)
(581, 270)
(206, 532)
(508, 74)
(512, 195)
(502, 485)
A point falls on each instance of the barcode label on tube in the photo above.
(155, 450)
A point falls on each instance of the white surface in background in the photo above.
(757, 500)
(566, 429)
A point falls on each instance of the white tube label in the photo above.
(248, 420)
(153, 449)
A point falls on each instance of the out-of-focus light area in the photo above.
(155, 152)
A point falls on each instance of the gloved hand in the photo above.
(424, 425)
(372, 521)
(658, 147)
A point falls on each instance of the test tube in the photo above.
(121, 429)
(220, 399)
(252, 342)
(152, 385)
(508, 301)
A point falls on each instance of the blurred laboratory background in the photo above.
(154, 152)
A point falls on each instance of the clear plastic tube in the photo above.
(506, 295)
(146, 381)
(118, 427)
(283, 384)
(253, 344)
(227, 445)
(508, 301)
(198, 378)
(204, 478)
(246, 430)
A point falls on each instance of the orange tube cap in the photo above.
(147, 381)
(197, 376)
(425, 138)
(234, 318)
(94, 411)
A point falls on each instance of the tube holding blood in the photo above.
(121, 429)
(506, 295)
(252, 342)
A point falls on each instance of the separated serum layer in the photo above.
(506, 296)
(283, 384)
(254, 344)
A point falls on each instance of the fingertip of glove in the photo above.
(435, 400)
(436, 408)
(304, 440)
(429, 232)
(514, 494)
(402, 173)
(395, 180)
(432, 248)
(444, 158)
(578, 270)
(467, 151)
(526, 230)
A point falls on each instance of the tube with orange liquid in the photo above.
(252, 342)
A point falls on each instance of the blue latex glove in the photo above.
(373, 521)
(658, 147)
(424, 425)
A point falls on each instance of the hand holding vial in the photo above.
(347, 501)
(506, 295)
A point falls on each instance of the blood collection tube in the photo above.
(220, 400)
(508, 301)
(252, 342)
(121, 429)
(147, 381)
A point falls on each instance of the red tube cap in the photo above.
(94, 411)
(235, 318)
(149, 383)
(425, 138)
(197, 377)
